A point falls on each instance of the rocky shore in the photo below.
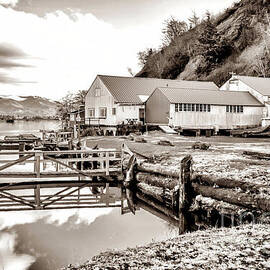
(243, 247)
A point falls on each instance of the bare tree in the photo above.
(194, 20)
(173, 28)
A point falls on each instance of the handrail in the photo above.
(60, 152)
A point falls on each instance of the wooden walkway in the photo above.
(37, 180)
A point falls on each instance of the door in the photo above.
(141, 115)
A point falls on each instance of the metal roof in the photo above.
(262, 85)
(175, 95)
(131, 89)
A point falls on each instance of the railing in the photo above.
(99, 162)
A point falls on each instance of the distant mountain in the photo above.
(27, 106)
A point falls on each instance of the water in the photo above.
(24, 127)
(43, 240)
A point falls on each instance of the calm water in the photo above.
(47, 240)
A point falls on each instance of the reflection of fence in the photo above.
(97, 162)
(40, 187)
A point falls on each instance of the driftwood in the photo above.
(257, 155)
(234, 197)
(140, 140)
(229, 183)
(154, 192)
(158, 181)
(201, 146)
(165, 143)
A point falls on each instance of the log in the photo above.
(229, 183)
(154, 192)
(158, 181)
(165, 143)
(257, 155)
(209, 204)
(234, 197)
(158, 170)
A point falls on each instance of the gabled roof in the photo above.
(262, 85)
(175, 95)
(136, 90)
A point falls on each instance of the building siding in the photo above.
(106, 100)
(157, 109)
(218, 117)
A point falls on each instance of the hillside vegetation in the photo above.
(237, 40)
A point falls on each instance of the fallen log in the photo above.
(257, 155)
(158, 170)
(230, 183)
(158, 181)
(234, 197)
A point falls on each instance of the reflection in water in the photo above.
(53, 244)
(51, 239)
(21, 126)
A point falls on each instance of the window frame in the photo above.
(100, 114)
(90, 114)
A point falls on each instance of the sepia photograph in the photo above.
(134, 135)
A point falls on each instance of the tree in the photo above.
(211, 45)
(173, 28)
(144, 56)
(194, 20)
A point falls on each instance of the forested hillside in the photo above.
(210, 48)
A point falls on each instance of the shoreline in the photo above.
(243, 247)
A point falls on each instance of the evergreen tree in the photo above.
(211, 45)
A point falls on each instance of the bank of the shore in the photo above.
(244, 247)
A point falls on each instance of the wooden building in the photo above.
(256, 86)
(202, 109)
(112, 100)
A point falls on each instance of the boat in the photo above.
(10, 119)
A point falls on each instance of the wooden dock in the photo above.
(59, 179)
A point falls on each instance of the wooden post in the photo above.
(21, 148)
(185, 191)
(37, 197)
(107, 167)
(37, 164)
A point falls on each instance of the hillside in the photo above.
(29, 106)
(241, 44)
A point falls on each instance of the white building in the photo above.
(258, 87)
(203, 109)
(112, 100)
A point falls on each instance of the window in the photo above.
(189, 107)
(91, 112)
(185, 107)
(176, 107)
(97, 92)
(234, 108)
(197, 107)
(193, 107)
(180, 107)
(241, 109)
(103, 112)
(204, 107)
(113, 111)
(201, 108)
(208, 108)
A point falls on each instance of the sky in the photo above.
(51, 47)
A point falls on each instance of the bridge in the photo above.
(45, 180)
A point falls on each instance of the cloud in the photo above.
(68, 53)
(7, 3)
(9, 260)
(57, 217)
